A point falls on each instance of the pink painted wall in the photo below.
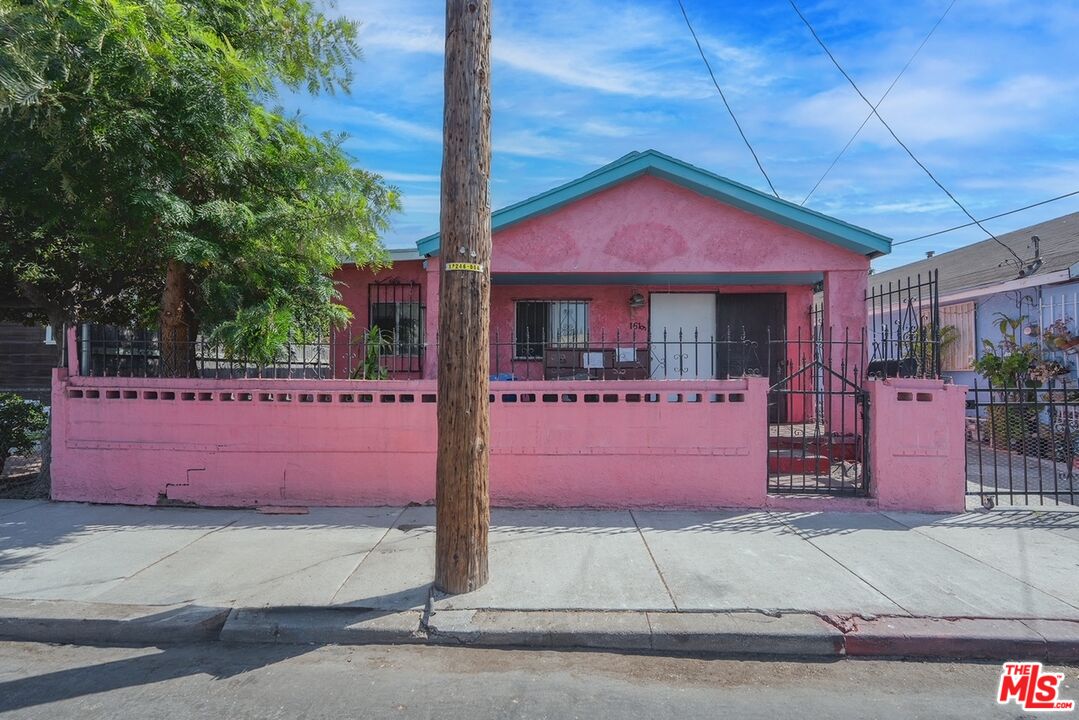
(650, 225)
(333, 442)
(239, 443)
(917, 445)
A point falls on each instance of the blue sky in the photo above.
(990, 104)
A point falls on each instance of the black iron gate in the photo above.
(1023, 444)
(821, 444)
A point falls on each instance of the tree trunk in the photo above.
(463, 505)
(178, 329)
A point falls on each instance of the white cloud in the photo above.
(394, 176)
(527, 143)
(943, 103)
(605, 129)
(395, 125)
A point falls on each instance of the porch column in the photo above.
(844, 318)
(430, 330)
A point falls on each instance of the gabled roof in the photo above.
(986, 264)
(651, 162)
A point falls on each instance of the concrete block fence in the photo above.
(615, 444)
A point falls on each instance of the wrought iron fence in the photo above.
(664, 354)
(904, 328)
(126, 352)
(1023, 444)
(379, 354)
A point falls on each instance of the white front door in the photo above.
(681, 331)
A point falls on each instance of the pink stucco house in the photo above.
(645, 268)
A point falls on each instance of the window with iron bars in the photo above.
(396, 311)
(549, 323)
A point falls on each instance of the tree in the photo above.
(143, 179)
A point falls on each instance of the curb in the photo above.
(334, 626)
(714, 633)
(100, 624)
(964, 638)
(740, 634)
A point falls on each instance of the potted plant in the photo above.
(1014, 372)
(1059, 336)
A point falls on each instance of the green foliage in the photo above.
(134, 132)
(1013, 365)
(920, 345)
(1008, 362)
(375, 344)
(22, 423)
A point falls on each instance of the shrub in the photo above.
(22, 423)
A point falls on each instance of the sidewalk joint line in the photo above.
(180, 549)
(369, 553)
(991, 567)
(828, 555)
(654, 563)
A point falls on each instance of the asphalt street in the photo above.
(302, 681)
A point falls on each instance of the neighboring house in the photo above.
(981, 282)
(27, 357)
(645, 268)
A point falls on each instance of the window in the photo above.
(50, 337)
(394, 306)
(550, 323)
(959, 352)
(401, 324)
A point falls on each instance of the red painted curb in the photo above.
(963, 638)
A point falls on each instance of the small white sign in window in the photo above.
(592, 360)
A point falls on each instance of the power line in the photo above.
(882, 97)
(991, 217)
(724, 97)
(896, 137)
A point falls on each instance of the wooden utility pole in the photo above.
(461, 497)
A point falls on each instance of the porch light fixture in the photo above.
(636, 300)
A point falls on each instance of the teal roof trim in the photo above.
(651, 162)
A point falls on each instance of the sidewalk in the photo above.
(975, 585)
